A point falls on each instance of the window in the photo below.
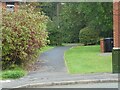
(10, 6)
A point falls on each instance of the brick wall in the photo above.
(3, 5)
(0, 4)
(116, 24)
(102, 45)
(15, 9)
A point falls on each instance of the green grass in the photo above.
(87, 59)
(68, 44)
(46, 48)
(12, 74)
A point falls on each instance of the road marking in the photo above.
(3, 81)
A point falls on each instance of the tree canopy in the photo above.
(73, 17)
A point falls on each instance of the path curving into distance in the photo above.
(52, 60)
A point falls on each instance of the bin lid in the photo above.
(108, 38)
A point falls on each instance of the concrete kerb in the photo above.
(68, 83)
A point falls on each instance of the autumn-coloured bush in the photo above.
(23, 33)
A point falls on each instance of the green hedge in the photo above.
(88, 36)
(23, 33)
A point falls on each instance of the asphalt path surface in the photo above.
(52, 60)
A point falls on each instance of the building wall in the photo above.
(3, 5)
(116, 49)
(116, 25)
(16, 7)
(102, 45)
(0, 4)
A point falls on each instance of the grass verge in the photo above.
(87, 59)
(69, 44)
(46, 48)
(12, 74)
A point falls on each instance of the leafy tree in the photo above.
(98, 15)
(49, 8)
(71, 22)
(54, 33)
(75, 16)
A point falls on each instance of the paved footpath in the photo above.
(52, 60)
(88, 85)
(51, 70)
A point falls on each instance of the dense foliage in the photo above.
(88, 36)
(23, 33)
(50, 9)
(76, 16)
(54, 33)
(99, 16)
(71, 22)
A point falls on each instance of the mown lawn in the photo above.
(87, 59)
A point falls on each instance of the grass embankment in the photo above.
(87, 59)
